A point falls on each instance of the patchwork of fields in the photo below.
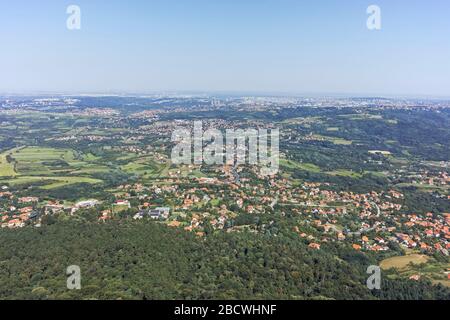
(51, 168)
(415, 264)
(402, 262)
(48, 167)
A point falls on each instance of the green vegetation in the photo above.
(413, 265)
(6, 166)
(47, 167)
(145, 260)
(349, 181)
(345, 173)
(293, 165)
(403, 261)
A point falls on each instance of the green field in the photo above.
(142, 166)
(294, 165)
(419, 264)
(6, 168)
(345, 173)
(402, 262)
(424, 187)
(49, 181)
(291, 165)
(362, 116)
(334, 140)
(381, 152)
(49, 167)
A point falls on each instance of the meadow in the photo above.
(48, 167)
(402, 262)
(51, 168)
(418, 264)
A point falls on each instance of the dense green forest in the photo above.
(146, 260)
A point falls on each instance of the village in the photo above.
(367, 222)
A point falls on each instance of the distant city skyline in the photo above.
(265, 47)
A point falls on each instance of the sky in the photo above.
(264, 46)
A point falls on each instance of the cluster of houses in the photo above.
(377, 215)
(426, 177)
(15, 214)
(161, 213)
(369, 221)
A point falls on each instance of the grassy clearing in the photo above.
(362, 116)
(90, 157)
(345, 173)
(37, 154)
(142, 166)
(91, 170)
(118, 209)
(417, 264)
(343, 142)
(49, 182)
(65, 181)
(294, 165)
(303, 120)
(6, 169)
(402, 262)
(424, 187)
(35, 161)
(334, 140)
(444, 282)
(392, 121)
(380, 152)
(377, 173)
(48, 167)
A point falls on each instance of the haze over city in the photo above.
(296, 47)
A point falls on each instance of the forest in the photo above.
(146, 260)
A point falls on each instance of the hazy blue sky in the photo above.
(226, 45)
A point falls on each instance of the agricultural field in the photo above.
(345, 173)
(142, 166)
(48, 167)
(294, 165)
(334, 140)
(6, 168)
(402, 262)
(420, 265)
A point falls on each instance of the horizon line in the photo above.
(237, 93)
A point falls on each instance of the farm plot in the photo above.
(47, 167)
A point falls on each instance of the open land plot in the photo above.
(6, 168)
(362, 116)
(294, 165)
(424, 187)
(345, 173)
(39, 154)
(142, 166)
(48, 167)
(401, 262)
(380, 152)
(303, 120)
(417, 264)
(334, 140)
(49, 182)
